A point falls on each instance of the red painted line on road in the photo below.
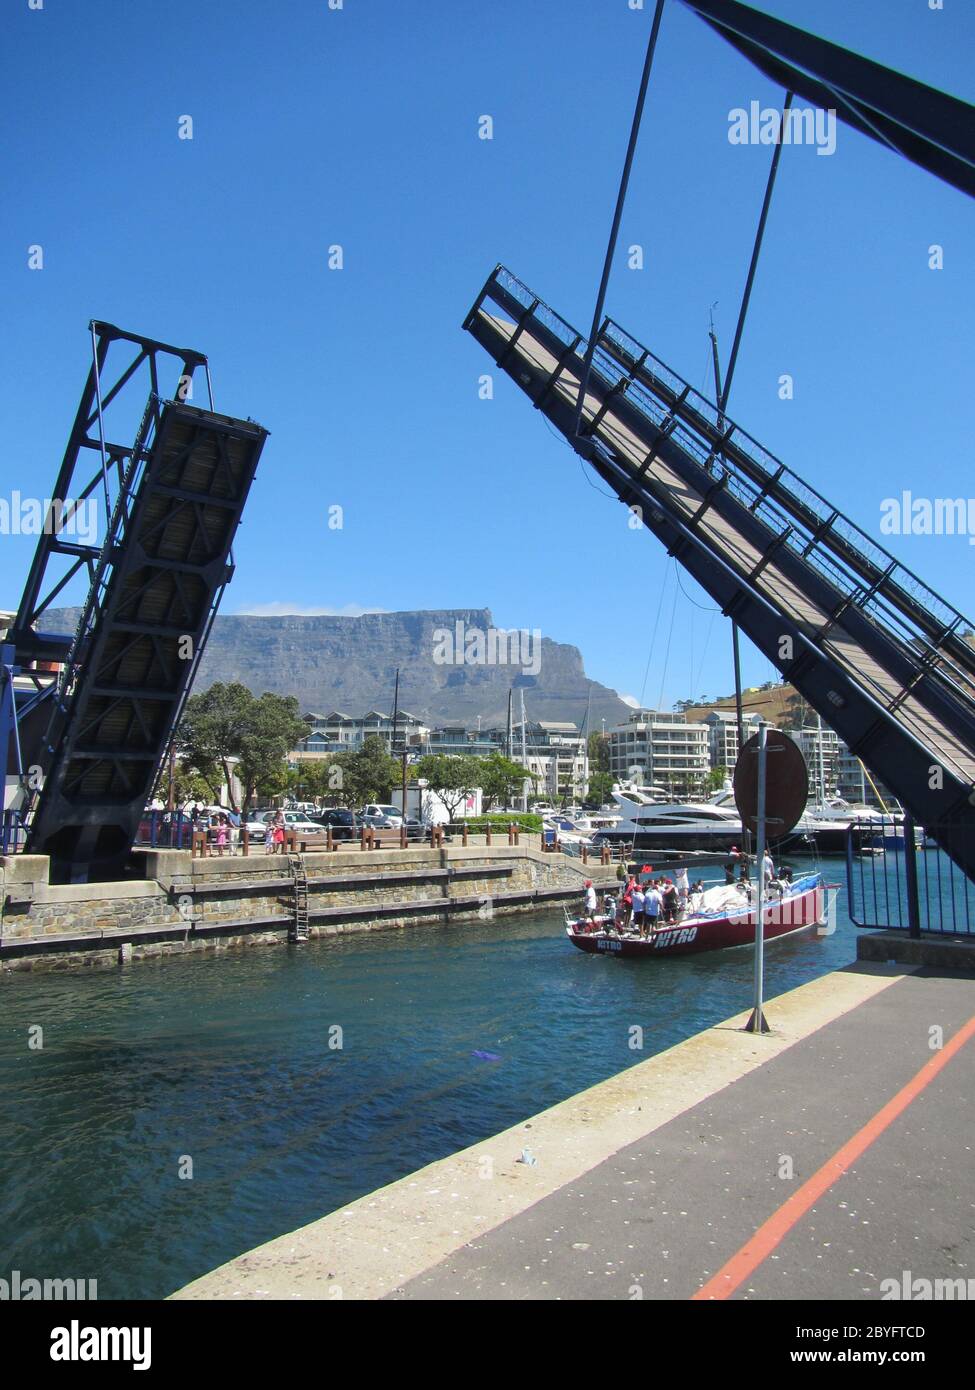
(781, 1222)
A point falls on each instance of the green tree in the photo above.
(227, 723)
(598, 748)
(600, 787)
(368, 774)
(501, 779)
(716, 778)
(209, 731)
(271, 727)
(452, 778)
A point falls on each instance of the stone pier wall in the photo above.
(185, 904)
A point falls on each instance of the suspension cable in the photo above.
(756, 249)
(618, 216)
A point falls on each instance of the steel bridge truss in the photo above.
(93, 737)
(886, 661)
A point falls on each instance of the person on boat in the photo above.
(744, 867)
(589, 900)
(668, 894)
(732, 865)
(652, 909)
(627, 901)
(696, 896)
(638, 901)
(768, 868)
(683, 887)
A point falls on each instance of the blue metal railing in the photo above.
(13, 832)
(165, 830)
(897, 878)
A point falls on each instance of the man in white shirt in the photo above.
(638, 901)
(589, 899)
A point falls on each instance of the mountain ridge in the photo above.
(335, 662)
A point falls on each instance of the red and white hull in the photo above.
(802, 911)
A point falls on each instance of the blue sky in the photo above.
(358, 127)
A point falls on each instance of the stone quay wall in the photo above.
(185, 904)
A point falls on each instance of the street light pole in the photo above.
(757, 1023)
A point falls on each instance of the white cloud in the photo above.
(298, 610)
(630, 700)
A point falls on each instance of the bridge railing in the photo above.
(923, 624)
(898, 878)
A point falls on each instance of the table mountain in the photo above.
(350, 664)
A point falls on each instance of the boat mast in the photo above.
(524, 754)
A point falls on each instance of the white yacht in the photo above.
(651, 821)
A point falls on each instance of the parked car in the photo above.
(296, 821)
(345, 824)
(385, 817)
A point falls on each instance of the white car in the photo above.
(296, 821)
(386, 817)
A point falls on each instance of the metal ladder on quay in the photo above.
(299, 928)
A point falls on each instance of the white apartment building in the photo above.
(834, 770)
(344, 733)
(661, 749)
(723, 735)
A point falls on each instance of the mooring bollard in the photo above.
(604, 854)
(329, 842)
(464, 834)
(245, 841)
(585, 854)
(487, 833)
(403, 843)
(198, 845)
(511, 833)
(517, 833)
(362, 836)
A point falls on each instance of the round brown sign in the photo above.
(786, 783)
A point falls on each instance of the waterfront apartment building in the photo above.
(723, 735)
(558, 754)
(555, 751)
(834, 770)
(662, 750)
(337, 732)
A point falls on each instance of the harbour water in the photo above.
(232, 1064)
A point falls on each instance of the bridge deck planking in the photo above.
(743, 556)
